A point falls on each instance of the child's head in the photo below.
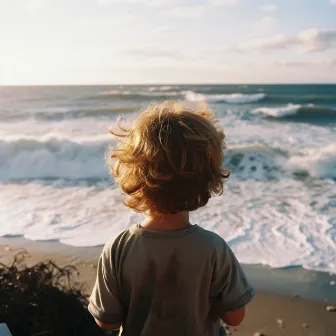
(170, 160)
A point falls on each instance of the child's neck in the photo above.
(167, 222)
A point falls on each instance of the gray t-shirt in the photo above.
(163, 283)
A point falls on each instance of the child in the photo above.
(165, 276)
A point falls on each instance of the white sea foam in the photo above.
(273, 223)
(281, 111)
(53, 157)
(234, 98)
(59, 156)
(317, 162)
(114, 93)
(150, 93)
(161, 88)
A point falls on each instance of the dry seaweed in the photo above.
(43, 300)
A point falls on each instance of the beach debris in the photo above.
(331, 309)
(332, 283)
(259, 334)
(305, 325)
(295, 295)
(43, 299)
(7, 248)
(281, 323)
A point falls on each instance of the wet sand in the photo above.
(288, 302)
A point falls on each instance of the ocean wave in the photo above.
(54, 157)
(300, 99)
(135, 95)
(298, 113)
(57, 114)
(162, 88)
(234, 98)
(262, 162)
(315, 162)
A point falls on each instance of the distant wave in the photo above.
(300, 99)
(135, 95)
(54, 157)
(298, 113)
(234, 98)
(162, 88)
(54, 114)
(86, 113)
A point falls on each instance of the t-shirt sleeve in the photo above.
(230, 287)
(105, 303)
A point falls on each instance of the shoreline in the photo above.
(289, 301)
(291, 281)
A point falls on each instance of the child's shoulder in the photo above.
(211, 238)
(116, 242)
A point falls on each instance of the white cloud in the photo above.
(224, 2)
(312, 40)
(34, 6)
(276, 42)
(151, 52)
(148, 3)
(307, 63)
(317, 40)
(267, 22)
(167, 29)
(270, 8)
(186, 12)
(333, 2)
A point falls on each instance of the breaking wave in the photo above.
(234, 98)
(298, 113)
(55, 157)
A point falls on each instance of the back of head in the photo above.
(170, 160)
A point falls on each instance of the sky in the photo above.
(167, 41)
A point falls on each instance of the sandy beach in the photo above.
(288, 301)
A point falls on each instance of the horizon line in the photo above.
(167, 84)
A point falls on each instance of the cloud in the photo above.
(167, 29)
(333, 2)
(276, 42)
(34, 6)
(267, 22)
(271, 8)
(308, 63)
(150, 52)
(312, 40)
(148, 3)
(224, 2)
(186, 12)
(317, 40)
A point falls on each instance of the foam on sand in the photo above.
(261, 224)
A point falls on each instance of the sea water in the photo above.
(279, 204)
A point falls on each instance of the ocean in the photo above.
(279, 204)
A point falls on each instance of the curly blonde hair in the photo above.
(170, 159)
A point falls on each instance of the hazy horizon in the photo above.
(169, 84)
